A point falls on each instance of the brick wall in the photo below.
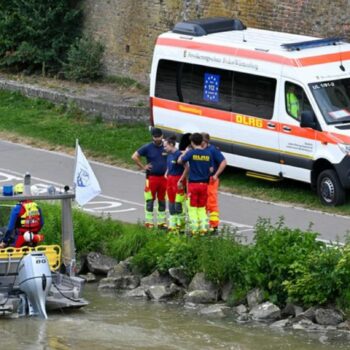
(129, 28)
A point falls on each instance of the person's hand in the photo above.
(180, 185)
(147, 167)
(214, 178)
(2, 245)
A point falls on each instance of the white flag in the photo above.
(86, 184)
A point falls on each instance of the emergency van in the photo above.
(276, 104)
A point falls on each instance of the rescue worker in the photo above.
(198, 166)
(219, 165)
(155, 168)
(26, 220)
(292, 101)
(175, 193)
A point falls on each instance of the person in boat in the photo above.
(26, 220)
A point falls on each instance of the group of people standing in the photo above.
(186, 178)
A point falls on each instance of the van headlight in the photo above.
(345, 147)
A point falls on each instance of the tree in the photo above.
(36, 34)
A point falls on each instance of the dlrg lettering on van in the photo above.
(277, 104)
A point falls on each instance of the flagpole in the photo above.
(75, 160)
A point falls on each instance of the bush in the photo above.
(276, 248)
(322, 278)
(182, 253)
(36, 34)
(222, 260)
(84, 60)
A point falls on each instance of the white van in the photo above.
(276, 104)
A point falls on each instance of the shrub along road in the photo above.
(122, 193)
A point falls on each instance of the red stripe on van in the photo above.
(257, 55)
(232, 51)
(321, 136)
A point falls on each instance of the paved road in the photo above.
(122, 193)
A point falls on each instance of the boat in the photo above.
(35, 280)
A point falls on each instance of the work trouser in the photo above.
(197, 200)
(33, 238)
(155, 189)
(176, 199)
(213, 203)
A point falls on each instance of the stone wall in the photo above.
(108, 111)
(129, 28)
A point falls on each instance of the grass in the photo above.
(42, 123)
(39, 119)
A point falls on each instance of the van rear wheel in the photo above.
(329, 188)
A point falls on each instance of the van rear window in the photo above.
(216, 88)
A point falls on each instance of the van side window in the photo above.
(166, 80)
(216, 88)
(296, 100)
(253, 95)
(207, 86)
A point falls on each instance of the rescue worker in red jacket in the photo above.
(219, 164)
(26, 220)
(155, 180)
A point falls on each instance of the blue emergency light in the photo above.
(312, 43)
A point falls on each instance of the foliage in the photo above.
(146, 259)
(289, 265)
(324, 276)
(276, 248)
(129, 241)
(36, 34)
(222, 259)
(182, 253)
(84, 60)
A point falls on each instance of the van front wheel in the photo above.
(329, 188)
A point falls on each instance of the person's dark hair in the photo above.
(156, 132)
(171, 140)
(184, 141)
(197, 138)
(206, 137)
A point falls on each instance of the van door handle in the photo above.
(271, 125)
(287, 128)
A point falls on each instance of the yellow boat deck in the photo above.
(52, 252)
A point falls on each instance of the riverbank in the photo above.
(282, 274)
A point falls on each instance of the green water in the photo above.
(110, 322)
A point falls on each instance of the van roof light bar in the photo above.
(205, 26)
(312, 43)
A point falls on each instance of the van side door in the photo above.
(297, 144)
(255, 130)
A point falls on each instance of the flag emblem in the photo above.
(83, 179)
(211, 87)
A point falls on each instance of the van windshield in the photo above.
(333, 99)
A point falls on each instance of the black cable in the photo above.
(65, 296)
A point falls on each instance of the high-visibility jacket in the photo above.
(29, 218)
(293, 106)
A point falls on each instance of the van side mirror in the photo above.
(308, 120)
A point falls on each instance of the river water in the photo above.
(111, 322)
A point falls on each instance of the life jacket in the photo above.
(30, 219)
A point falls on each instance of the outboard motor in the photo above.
(34, 279)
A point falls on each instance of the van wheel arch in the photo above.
(329, 188)
(319, 166)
